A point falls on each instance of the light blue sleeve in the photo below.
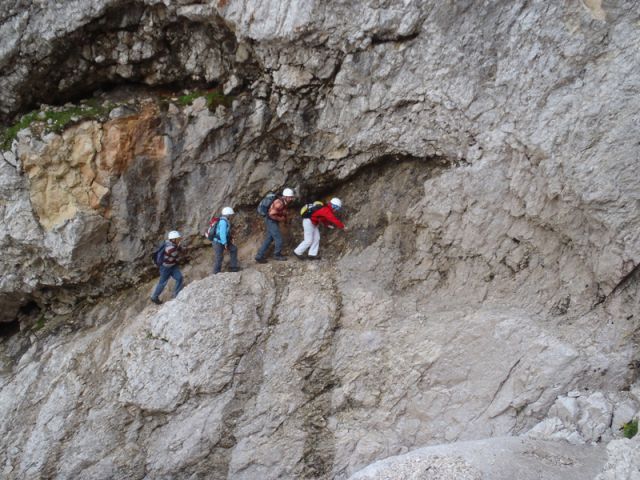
(223, 229)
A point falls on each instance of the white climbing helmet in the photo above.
(287, 192)
(227, 211)
(336, 202)
(173, 235)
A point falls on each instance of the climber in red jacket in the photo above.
(322, 216)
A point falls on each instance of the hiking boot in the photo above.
(157, 301)
(261, 260)
(235, 269)
(314, 257)
(299, 257)
(281, 258)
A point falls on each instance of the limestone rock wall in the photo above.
(287, 372)
(69, 48)
(486, 156)
(514, 93)
(498, 458)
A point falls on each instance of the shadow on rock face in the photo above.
(128, 43)
(379, 195)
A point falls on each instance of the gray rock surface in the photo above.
(590, 418)
(247, 376)
(515, 94)
(623, 460)
(113, 401)
(486, 155)
(499, 458)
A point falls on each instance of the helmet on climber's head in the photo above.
(174, 235)
(336, 203)
(287, 195)
(287, 192)
(226, 211)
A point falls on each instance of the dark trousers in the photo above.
(165, 274)
(219, 253)
(273, 235)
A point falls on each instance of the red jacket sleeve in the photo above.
(326, 217)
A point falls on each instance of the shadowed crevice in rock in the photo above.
(131, 42)
(628, 280)
(371, 167)
(378, 39)
(9, 328)
(377, 195)
(318, 456)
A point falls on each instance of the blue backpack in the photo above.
(158, 254)
(265, 203)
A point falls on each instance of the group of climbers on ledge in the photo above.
(275, 210)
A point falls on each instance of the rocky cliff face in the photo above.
(487, 286)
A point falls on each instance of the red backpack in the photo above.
(210, 234)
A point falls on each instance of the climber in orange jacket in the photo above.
(322, 216)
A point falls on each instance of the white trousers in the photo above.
(311, 239)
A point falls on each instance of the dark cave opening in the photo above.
(27, 314)
(7, 329)
(83, 62)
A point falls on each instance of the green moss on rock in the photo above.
(54, 120)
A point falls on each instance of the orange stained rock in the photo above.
(76, 170)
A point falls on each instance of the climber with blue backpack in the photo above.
(166, 258)
(219, 234)
(274, 209)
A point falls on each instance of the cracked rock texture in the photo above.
(590, 418)
(488, 284)
(623, 460)
(499, 458)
